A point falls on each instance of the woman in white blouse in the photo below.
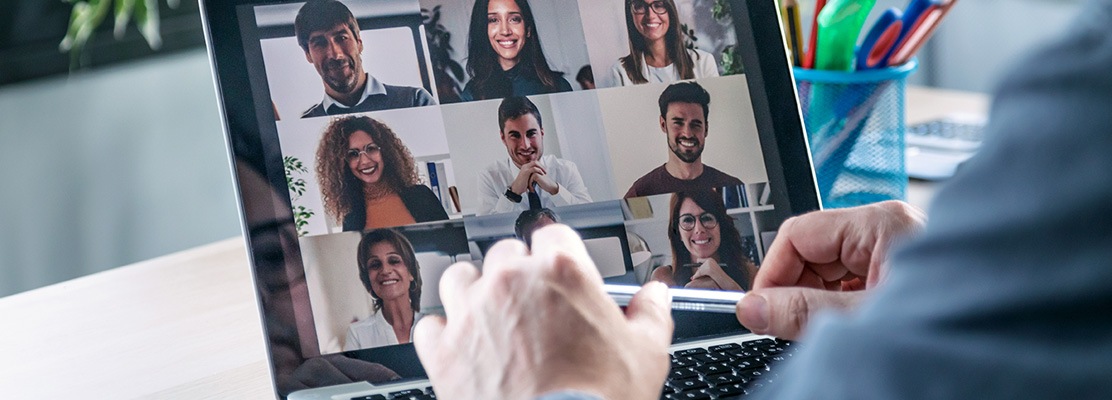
(656, 50)
(388, 269)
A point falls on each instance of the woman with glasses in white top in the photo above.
(656, 48)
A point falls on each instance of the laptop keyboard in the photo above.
(726, 371)
(409, 394)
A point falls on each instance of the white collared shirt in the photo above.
(497, 177)
(373, 87)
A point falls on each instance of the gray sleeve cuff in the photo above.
(568, 395)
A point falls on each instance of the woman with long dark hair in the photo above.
(504, 54)
(389, 271)
(706, 247)
(657, 53)
(369, 179)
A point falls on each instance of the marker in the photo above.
(840, 24)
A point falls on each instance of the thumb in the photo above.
(785, 311)
(650, 311)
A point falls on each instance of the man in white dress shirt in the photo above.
(527, 179)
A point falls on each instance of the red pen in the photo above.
(920, 33)
(809, 55)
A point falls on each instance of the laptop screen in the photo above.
(377, 142)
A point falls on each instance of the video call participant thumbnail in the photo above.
(684, 110)
(707, 251)
(504, 53)
(387, 266)
(329, 34)
(528, 178)
(368, 177)
(657, 53)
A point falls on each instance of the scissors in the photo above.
(890, 32)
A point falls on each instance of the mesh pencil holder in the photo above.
(855, 126)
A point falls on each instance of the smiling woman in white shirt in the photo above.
(656, 50)
(388, 269)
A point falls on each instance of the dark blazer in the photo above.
(422, 204)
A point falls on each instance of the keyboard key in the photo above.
(761, 343)
(727, 390)
(726, 379)
(709, 358)
(681, 362)
(724, 347)
(689, 352)
(405, 394)
(713, 369)
(693, 395)
(681, 373)
(371, 397)
(688, 384)
(749, 363)
(742, 353)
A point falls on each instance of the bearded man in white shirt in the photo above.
(527, 179)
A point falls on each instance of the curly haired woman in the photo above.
(369, 179)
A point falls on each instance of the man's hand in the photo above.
(546, 183)
(538, 323)
(815, 256)
(524, 179)
(711, 270)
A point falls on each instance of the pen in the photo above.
(809, 54)
(792, 25)
(920, 33)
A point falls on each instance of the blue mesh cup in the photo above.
(855, 126)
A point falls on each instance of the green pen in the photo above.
(840, 24)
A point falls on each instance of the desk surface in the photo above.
(186, 325)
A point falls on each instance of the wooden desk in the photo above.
(185, 326)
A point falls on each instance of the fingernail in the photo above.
(753, 312)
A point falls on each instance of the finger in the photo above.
(454, 285)
(650, 311)
(560, 239)
(503, 255)
(426, 339)
(785, 312)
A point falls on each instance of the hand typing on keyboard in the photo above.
(541, 322)
(820, 261)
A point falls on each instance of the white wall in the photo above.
(110, 167)
(637, 144)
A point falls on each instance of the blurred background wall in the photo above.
(124, 159)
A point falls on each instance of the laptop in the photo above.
(374, 143)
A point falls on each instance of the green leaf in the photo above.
(124, 8)
(146, 17)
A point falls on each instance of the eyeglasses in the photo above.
(687, 221)
(353, 154)
(640, 7)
